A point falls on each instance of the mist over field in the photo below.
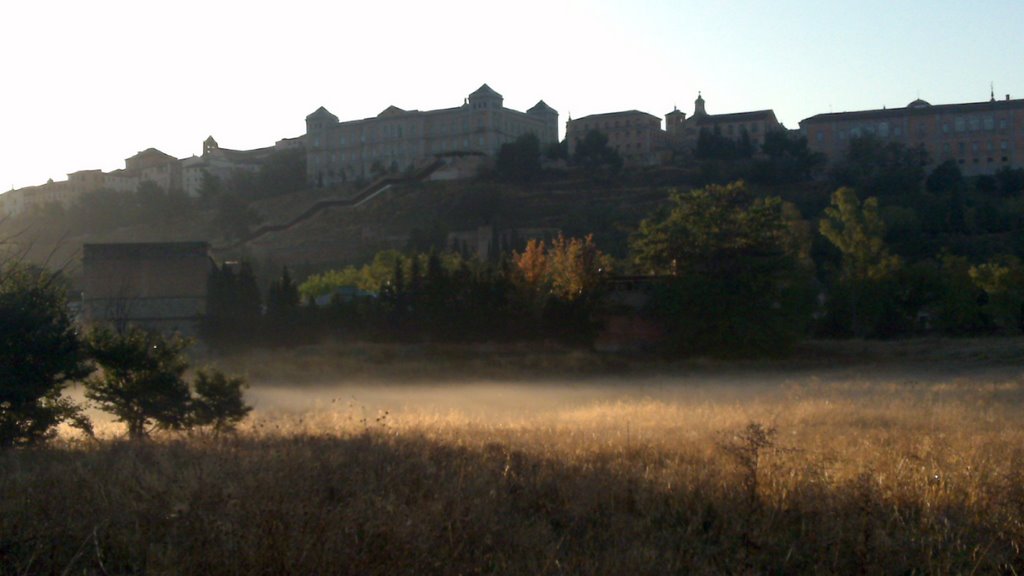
(860, 457)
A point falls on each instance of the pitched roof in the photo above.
(321, 112)
(484, 90)
(917, 109)
(734, 117)
(391, 111)
(542, 106)
(620, 114)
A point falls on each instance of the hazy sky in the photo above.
(87, 84)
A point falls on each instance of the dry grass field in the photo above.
(875, 459)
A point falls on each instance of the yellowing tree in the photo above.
(569, 269)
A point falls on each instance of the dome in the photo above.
(918, 104)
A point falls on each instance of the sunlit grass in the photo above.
(866, 473)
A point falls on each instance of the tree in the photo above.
(593, 152)
(40, 353)
(1002, 280)
(218, 401)
(787, 159)
(142, 381)
(519, 161)
(888, 170)
(735, 268)
(858, 232)
(233, 304)
(210, 188)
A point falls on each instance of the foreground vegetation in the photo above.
(845, 474)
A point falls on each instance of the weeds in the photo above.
(847, 478)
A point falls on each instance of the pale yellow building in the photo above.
(683, 132)
(397, 139)
(636, 136)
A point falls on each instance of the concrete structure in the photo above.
(981, 137)
(636, 136)
(683, 132)
(399, 139)
(161, 286)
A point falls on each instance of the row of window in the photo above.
(975, 123)
(885, 129)
(391, 153)
(396, 132)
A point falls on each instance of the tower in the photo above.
(209, 145)
(698, 106)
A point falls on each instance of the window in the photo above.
(989, 123)
(819, 136)
(961, 125)
(974, 124)
(945, 128)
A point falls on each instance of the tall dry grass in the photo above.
(858, 475)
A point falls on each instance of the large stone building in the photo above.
(161, 286)
(684, 132)
(981, 137)
(636, 136)
(397, 139)
(222, 163)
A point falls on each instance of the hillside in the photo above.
(344, 235)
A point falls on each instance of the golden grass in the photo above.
(869, 473)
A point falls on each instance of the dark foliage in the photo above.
(40, 353)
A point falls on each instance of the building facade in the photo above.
(981, 137)
(161, 286)
(636, 136)
(683, 132)
(399, 139)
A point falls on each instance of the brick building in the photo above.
(636, 136)
(683, 132)
(981, 137)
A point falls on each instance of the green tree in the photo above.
(233, 304)
(786, 159)
(519, 161)
(1002, 280)
(736, 267)
(858, 232)
(40, 353)
(888, 170)
(210, 187)
(142, 381)
(218, 401)
(593, 152)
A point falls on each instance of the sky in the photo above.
(87, 84)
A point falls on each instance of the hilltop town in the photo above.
(351, 208)
(981, 137)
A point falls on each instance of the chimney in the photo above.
(1007, 97)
